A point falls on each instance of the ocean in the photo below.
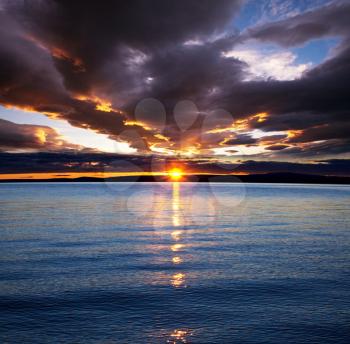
(174, 263)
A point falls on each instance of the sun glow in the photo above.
(175, 174)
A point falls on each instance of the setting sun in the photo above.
(175, 174)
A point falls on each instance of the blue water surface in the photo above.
(174, 263)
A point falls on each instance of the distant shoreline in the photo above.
(281, 178)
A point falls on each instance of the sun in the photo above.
(175, 174)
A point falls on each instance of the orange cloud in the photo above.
(57, 52)
(23, 137)
(294, 133)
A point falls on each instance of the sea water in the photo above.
(174, 263)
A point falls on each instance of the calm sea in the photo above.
(174, 263)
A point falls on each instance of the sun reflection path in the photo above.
(176, 247)
(177, 279)
(179, 336)
(176, 215)
(177, 260)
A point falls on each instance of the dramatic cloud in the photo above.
(331, 20)
(157, 76)
(24, 137)
(276, 147)
(242, 139)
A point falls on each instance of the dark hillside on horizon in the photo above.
(292, 178)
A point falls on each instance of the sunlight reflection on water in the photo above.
(82, 261)
(178, 279)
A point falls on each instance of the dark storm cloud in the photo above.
(17, 137)
(68, 58)
(242, 139)
(191, 72)
(320, 96)
(273, 138)
(64, 57)
(29, 80)
(317, 104)
(331, 20)
(277, 147)
(323, 132)
(110, 39)
(321, 148)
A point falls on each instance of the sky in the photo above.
(252, 86)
